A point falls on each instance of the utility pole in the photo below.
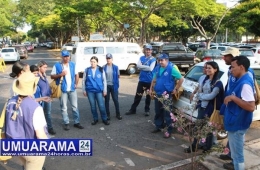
(226, 34)
(78, 28)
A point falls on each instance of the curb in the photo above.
(172, 165)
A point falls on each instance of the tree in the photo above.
(247, 15)
(200, 13)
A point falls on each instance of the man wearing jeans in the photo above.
(112, 77)
(66, 69)
(238, 109)
(146, 65)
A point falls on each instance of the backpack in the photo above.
(2, 133)
(14, 121)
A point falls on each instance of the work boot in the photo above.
(118, 116)
(229, 166)
(130, 112)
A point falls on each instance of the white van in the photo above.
(125, 55)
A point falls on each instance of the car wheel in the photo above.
(131, 69)
(222, 134)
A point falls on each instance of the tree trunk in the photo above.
(142, 33)
(208, 41)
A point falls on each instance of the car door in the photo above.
(256, 115)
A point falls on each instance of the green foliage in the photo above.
(247, 15)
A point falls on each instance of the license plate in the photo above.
(7, 55)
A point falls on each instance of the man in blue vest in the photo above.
(239, 106)
(229, 54)
(146, 65)
(112, 77)
(67, 70)
(163, 85)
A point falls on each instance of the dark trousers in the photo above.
(114, 94)
(141, 87)
(162, 116)
(209, 139)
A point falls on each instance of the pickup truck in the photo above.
(179, 55)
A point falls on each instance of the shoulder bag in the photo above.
(56, 89)
(216, 119)
(2, 121)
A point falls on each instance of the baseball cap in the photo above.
(65, 53)
(148, 47)
(163, 56)
(231, 50)
(109, 55)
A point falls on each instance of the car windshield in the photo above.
(7, 50)
(197, 71)
(248, 53)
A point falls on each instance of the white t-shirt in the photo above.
(39, 121)
(67, 76)
(247, 93)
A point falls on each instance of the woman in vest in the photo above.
(24, 110)
(94, 86)
(210, 88)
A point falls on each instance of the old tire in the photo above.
(131, 69)
(222, 134)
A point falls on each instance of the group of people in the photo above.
(236, 102)
(31, 91)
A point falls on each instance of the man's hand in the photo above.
(104, 94)
(85, 93)
(46, 99)
(228, 99)
(64, 72)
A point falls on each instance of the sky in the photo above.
(26, 28)
(229, 3)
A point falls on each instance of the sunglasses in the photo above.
(109, 58)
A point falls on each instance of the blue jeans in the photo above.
(114, 94)
(72, 96)
(97, 97)
(236, 143)
(162, 115)
(47, 113)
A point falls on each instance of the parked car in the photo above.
(10, 54)
(191, 82)
(249, 53)
(194, 47)
(22, 51)
(50, 44)
(221, 48)
(68, 46)
(245, 46)
(179, 55)
(207, 55)
(29, 48)
(157, 48)
(256, 51)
